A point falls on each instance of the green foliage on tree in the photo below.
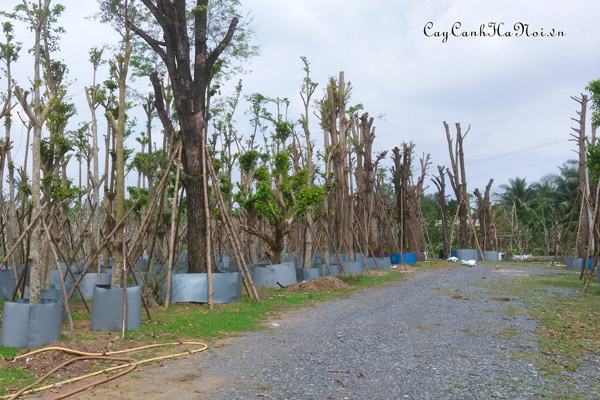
(594, 89)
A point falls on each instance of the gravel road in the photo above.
(438, 335)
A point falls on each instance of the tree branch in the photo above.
(156, 45)
(159, 104)
(214, 55)
(22, 98)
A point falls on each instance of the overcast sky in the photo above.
(514, 92)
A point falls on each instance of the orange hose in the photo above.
(104, 356)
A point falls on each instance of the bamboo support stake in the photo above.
(124, 302)
(209, 260)
(370, 249)
(364, 262)
(62, 282)
(22, 236)
(337, 254)
(324, 257)
(234, 238)
(92, 256)
(174, 213)
(68, 271)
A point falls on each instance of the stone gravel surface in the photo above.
(438, 335)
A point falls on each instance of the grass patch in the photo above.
(14, 377)
(568, 320)
(437, 264)
(8, 353)
(513, 311)
(509, 332)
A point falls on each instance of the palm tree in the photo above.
(516, 193)
(566, 186)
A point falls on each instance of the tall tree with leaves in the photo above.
(37, 15)
(122, 16)
(9, 53)
(181, 40)
(94, 96)
(279, 198)
(594, 88)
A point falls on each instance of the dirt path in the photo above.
(439, 335)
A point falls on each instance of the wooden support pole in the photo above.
(173, 233)
(60, 278)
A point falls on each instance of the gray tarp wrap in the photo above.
(334, 270)
(382, 262)
(578, 263)
(353, 267)
(107, 308)
(333, 257)
(192, 288)
(491, 255)
(318, 258)
(53, 294)
(291, 258)
(570, 262)
(306, 274)
(359, 257)
(55, 279)
(31, 325)
(270, 275)
(222, 263)
(7, 283)
(466, 254)
(89, 282)
(56, 295)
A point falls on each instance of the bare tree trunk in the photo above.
(487, 224)
(334, 122)
(585, 214)
(122, 69)
(440, 183)
(458, 181)
(37, 116)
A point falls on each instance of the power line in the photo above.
(519, 151)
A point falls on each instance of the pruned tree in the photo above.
(458, 180)
(93, 96)
(123, 18)
(363, 136)
(9, 53)
(408, 198)
(37, 16)
(584, 226)
(306, 93)
(487, 220)
(440, 182)
(336, 128)
(279, 198)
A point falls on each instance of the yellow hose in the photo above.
(83, 354)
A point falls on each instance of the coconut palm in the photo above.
(516, 193)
